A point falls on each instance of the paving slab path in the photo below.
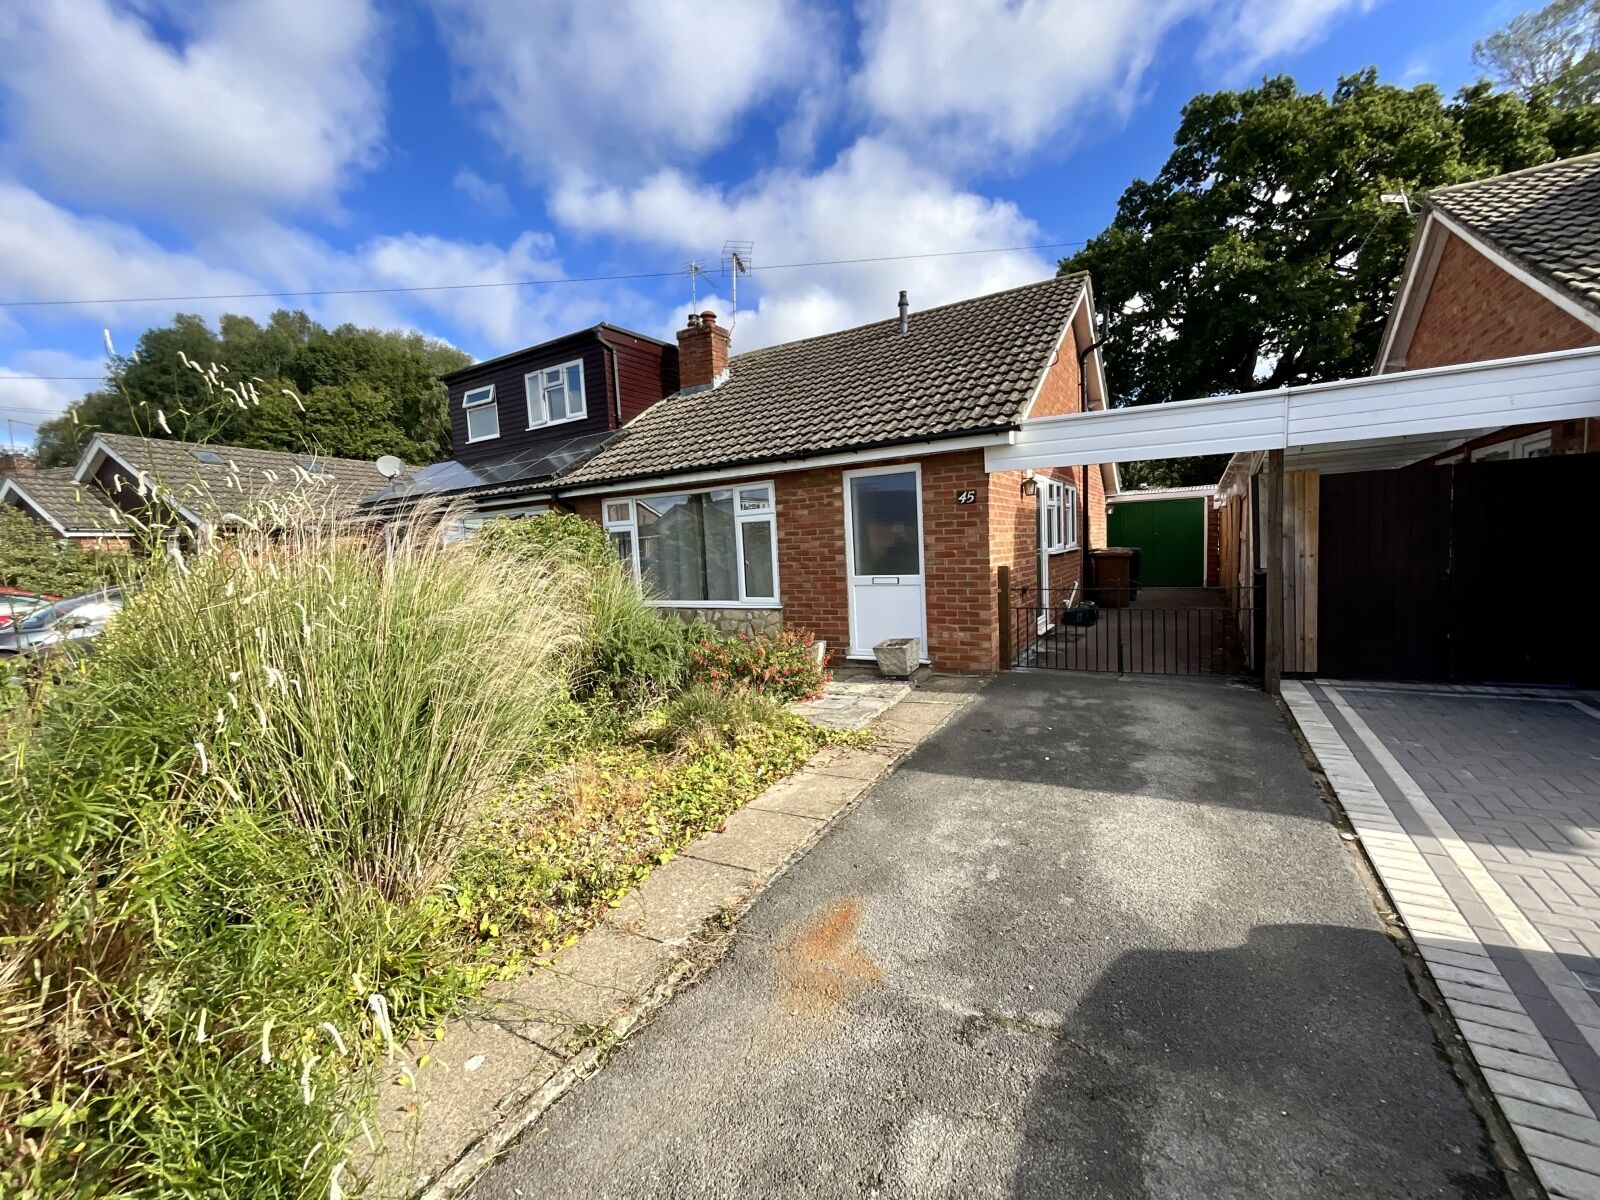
(1480, 810)
(1094, 938)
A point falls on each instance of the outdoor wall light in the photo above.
(1030, 485)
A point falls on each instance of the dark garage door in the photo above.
(1473, 573)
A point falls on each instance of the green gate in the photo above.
(1170, 536)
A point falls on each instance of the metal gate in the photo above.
(1139, 631)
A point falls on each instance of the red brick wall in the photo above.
(963, 544)
(1475, 310)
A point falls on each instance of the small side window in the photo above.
(483, 414)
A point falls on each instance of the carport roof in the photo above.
(1349, 424)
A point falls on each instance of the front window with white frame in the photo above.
(717, 546)
(555, 394)
(483, 414)
(1060, 516)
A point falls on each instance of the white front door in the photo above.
(883, 556)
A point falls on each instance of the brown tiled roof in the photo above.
(77, 508)
(216, 480)
(1545, 219)
(964, 368)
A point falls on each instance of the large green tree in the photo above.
(1554, 51)
(357, 393)
(1263, 252)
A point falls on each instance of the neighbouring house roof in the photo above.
(74, 509)
(1546, 219)
(531, 351)
(966, 368)
(529, 471)
(214, 483)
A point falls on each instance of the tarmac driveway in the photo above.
(1094, 938)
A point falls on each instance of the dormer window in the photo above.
(483, 415)
(555, 394)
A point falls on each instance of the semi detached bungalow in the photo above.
(834, 484)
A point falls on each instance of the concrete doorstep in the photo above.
(446, 1109)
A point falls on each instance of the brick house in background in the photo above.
(834, 484)
(1503, 267)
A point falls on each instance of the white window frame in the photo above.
(767, 514)
(1060, 527)
(533, 384)
(1516, 448)
(468, 524)
(470, 406)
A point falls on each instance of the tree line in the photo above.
(346, 392)
(1263, 252)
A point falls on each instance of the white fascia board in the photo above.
(1560, 385)
(1217, 425)
(1422, 263)
(643, 484)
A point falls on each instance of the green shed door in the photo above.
(1170, 535)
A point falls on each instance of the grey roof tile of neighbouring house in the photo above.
(1545, 219)
(964, 368)
(80, 508)
(218, 480)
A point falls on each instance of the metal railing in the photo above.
(1141, 631)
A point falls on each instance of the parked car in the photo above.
(64, 621)
(16, 603)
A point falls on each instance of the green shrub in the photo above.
(33, 560)
(705, 717)
(637, 655)
(544, 536)
(782, 665)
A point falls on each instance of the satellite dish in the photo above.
(389, 466)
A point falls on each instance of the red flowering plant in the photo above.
(783, 665)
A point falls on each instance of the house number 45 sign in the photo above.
(967, 496)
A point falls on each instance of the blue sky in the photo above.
(166, 148)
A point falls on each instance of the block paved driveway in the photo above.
(1094, 938)
(1480, 809)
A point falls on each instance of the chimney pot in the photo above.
(694, 321)
(708, 317)
(905, 310)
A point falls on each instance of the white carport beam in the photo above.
(1559, 386)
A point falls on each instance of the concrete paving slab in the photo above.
(680, 897)
(423, 1124)
(756, 839)
(818, 795)
(582, 989)
(865, 764)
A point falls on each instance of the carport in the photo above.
(1286, 441)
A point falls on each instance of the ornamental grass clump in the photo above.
(375, 699)
(222, 840)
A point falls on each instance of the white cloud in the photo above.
(629, 84)
(876, 200)
(26, 400)
(990, 77)
(262, 105)
(491, 197)
(48, 253)
(1249, 33)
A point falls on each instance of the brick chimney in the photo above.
(702, 353)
